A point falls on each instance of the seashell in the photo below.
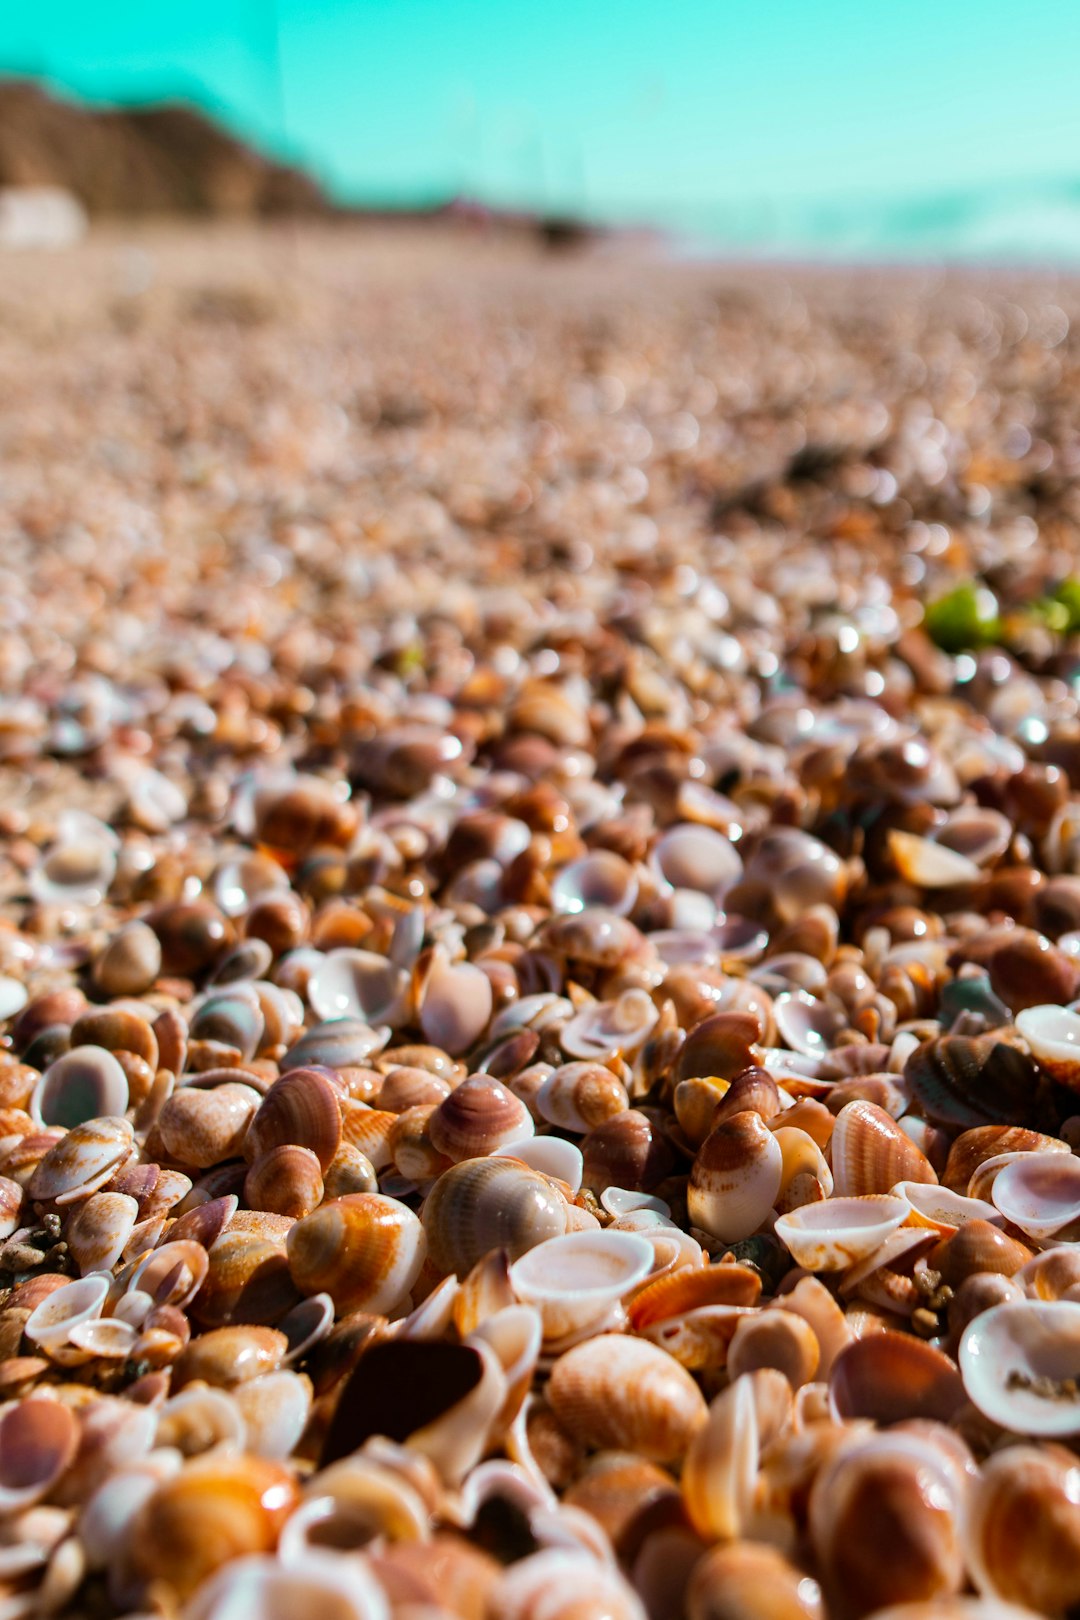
(38, 1440)
(607, 1029)
(202, 1127)
(13, 997)
(485, 1204)
(885, 1277)
(229, 1356)
(228, 1019)
(370, 1130)
(1027, 971)
(695, 1103)
(833, 1235)
(962, 1081)
(561, 1584)
(1022, 1530)
(305, 1326)
(349, 1171)
(192, 934)
(805, 1024)
(928, 864)
(406, 1087)
(248, 1281)
(625, 1150)
(690, 1288)
(438, 1399)
(690, 855)
(107, 1336)
(577, 1281)
(721, 1465)
(80, 866)
(50, 1322)
(81, 1161)
(287, 1181)
(11, 1201)
(337, 1044)
(216, 1509)
(171, 1274)
(118, 1028)
(600, 878)
(977, 1246)
(1018, 1363)
(735, 1178)
(625, 1495)
(302, 1110)
(891, 1377)
(478, 1117)
(303, 1589)
(86, 1083)
(275, 1410)
(626, 1394)
(98, 1230)
(484, 1292)
(870, 1153)
(751, 1582)
(552, 1156)
(104, 1524)
(887, 1491)
(973, 1147)
(1053, 1035)
(581, 1096)
(778, 1339)
(941, 1208)
(205, 1223)
(805, 1176)
(721, 1046)
(811, 1300)
(976, 1294)
(411, 1150)
(456, 1007)
(754, 1091)
(364, 1250)
(1039, 1193)
(515, 1334)
(349, 983)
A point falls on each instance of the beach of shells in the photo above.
(539, 935)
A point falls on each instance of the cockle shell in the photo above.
(287, 1180)
(689, 1289)
(364, 1250)
(1019, 1364)
(302, 1110)
(626, 1394)
(833, 1235)
(478, 1117)
(1039, 1193)
(203, 1127)
(750, 1581)
(968, 1081)
(735, 1179)
(891, 1377)
(98, 1230)
(983, 1142)
(86, 1083)
(1023, 1529)
(485, 1204)
(870, 1153)
(82, 1161)
(625, 1150)
(577, 1281)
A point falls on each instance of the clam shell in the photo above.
(38, 1439)
(51, 1322)
(870, 1153)
(1022, 1530)
(962, 1081)
(287, 1180)
(349, 983)
(551, 1155)
(457, 1006)
(581, 1096)
(736, 1178)
(929, 865)
(690, 855)
(690, 1288)
(1053, 1035)
(1019, 1364)
(316, 1586)
(200, 1420)
(81, 1161)
(485, 1204)
(972, 1148)
(560, 1584)
(203, 1127)
(1039, 1193)
(626, 1150)
(364, 1250)
(84, 1084)
(891, 1377)
(577, 1281)
(478, 1117)
(275, 1410)
(751, 1582)
(230, 1356)
(300, 1110)
(721, 1465)
(833, 1235)
(98, 1230)
(626, 1394)
(941, 1208)
(171, 1274)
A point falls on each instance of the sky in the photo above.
(773, 122)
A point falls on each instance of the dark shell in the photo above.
(962, 1082)
(398, 1387)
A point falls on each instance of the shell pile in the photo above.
(539, 1009)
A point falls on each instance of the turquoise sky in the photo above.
(777, 122)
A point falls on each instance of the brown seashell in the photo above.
(735, 1178)
(341, 1349)
(202, 1127)
(485, 1204)
(890, 1377)
(626, 1150)
(580, 1096)
(215, 1509)
(977, 1247)
(205, 1223)
(478, 1117)
(691, 1287)
(38, 1440)
(130, 962)
(983, 1142)
(411, 1149)
(192, 934)
(406, 1087)
(754, 1091)
(446, 1575)
(45, 1012)
(1027, 971)
(364, 1250)
(287, 1181)
(1023, 1530)
(11, 1202)
(749, 1581)
(229, 1356)
(170, 1032)
(300, 1110)
(628, 1497)
(721, 1046)
(774, 1339)
(368, 1130)
(116, 1030)
(870, 1153)
(626, 1394)
(81, 1161)
(248, 1281)
(98, 1229)
(349, 1171)
(962, 1081)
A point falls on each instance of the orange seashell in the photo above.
(690, 1288)
(974, 1147)
(302, 1110)
(891, 1377)
(285, 1181)
(364, 1250)
(870, 1153)
(977, 1246)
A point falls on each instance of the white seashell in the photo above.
(929, 865)
(551, 1155)
(359, 984)
(13, 997)
(106, 1521)
(1039, 1192)
(606, 1029)
(106, 1336)
(600, 878)
(1014, 1360)
(318, 1586)
(50, 1323)
(133, 1307)
(560, 1582)
(735, 1178)
(577, 1281)
(943, 1208)
(537, 1012)
(457, 1005)
(201, 1419)
(1053, 1034)
(836, 1234)
(807, 1025)
(275, 1410)
(693, 856)
(620, 1201)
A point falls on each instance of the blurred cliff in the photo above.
(166, 159)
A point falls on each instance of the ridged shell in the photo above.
(364, 1250)
(485, 1204)
(984, 1142)
(82, 1160)
(963, 1081)
(478, 1117)
(689, 1289)
(626, 1394)
(302, 1110)
(287, 1181)
(870, 1153)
